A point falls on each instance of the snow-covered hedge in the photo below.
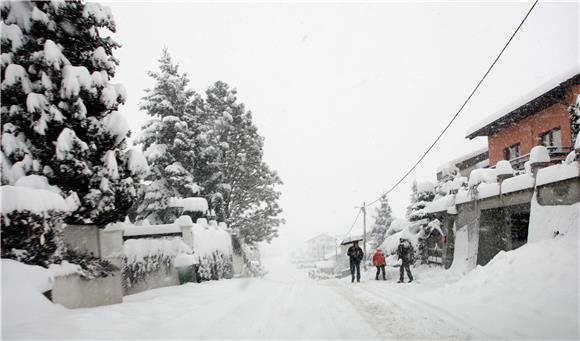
(212, 245)
(144, 256)
(31, 220)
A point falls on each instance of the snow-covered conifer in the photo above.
(241, 187)
(59, 110)
(167, 141)
(383, 219)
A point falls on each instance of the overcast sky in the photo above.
(349, 95)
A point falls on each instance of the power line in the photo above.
(352, 226)
(458, 112)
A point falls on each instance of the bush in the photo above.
(32, 238)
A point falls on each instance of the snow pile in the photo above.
(482, 175)
(557, 173)
(36, 182)
(194, 205)
(36, 201)
(539, 154)
(463, 196)
(517, 183)
(400, 228)
(545, 221)
(441, 204)
(207, 240)
(64, 269)
(22, 299)
(504, 167)
(461, 252)
(530, 292)
(485, 190)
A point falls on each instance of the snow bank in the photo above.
(528, 293)
(557, 173)
(546, 220)
(34, 200)
(22, 299)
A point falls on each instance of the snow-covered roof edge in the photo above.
(525, 99)
(464, 157)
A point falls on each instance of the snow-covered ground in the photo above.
(529, 293)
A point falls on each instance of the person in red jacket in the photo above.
(379, 262)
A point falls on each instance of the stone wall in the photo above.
(73, 291)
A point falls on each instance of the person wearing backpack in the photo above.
(405, 252)
(355, 255)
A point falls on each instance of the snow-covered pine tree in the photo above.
(412, 199)
(168, 142)
(59, 110)
(418, 216)
(383, 219)
(242, 192)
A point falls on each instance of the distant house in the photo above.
(318, 247)
(543, 120)
(466, 163)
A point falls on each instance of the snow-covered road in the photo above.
(283, 305)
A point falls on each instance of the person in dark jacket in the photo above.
(405, 253)
(380, 263)
(355, 254)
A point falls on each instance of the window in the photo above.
(512, 152)
(552, 138)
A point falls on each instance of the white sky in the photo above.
(349, 95)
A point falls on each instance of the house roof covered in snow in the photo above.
(548, 94)
(321, 237)
(467, 160)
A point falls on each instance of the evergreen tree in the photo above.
(59, 111)
(412, 199)
(383, 219)
(168, 142)
(424, 195)
(574, 111)
(239, 184)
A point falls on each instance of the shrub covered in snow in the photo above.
(31, 225)
(143, 256)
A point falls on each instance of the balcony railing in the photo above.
(557, 154)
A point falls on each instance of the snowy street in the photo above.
(492, 302)
(285, 304)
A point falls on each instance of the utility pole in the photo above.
(364, 211)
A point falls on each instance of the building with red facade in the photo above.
(544, 120)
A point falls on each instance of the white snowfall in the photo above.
(528, 293)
